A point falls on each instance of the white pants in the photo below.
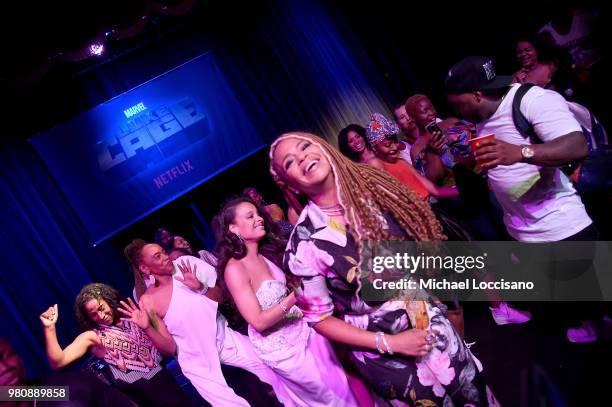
(237, 350)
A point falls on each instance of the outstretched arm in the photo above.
(412, 342)
(440, 192)
(57, 356)
(246, 301)
(147, 319)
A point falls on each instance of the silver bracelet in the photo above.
(389, 350)
(377, 336)
(282, 306)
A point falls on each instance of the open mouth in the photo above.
(311, 166)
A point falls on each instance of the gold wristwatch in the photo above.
(527, 153)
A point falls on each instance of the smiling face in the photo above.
(303, 166)
(247, 222)
(99, 311)
(526, 54)
(355, 142)
(155, 261)
(387, 150)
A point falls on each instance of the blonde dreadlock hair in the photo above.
(366, 193)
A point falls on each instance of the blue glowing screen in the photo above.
(127, 157)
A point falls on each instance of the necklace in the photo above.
(333, 210)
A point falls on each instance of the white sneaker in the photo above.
(505, 314)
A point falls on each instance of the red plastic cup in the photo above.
(475, 142)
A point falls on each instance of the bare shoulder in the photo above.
(376, 162)
(88, 337)
(235, 270)
(236, 276)
(147, 299)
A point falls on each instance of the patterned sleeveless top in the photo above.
(129, 352)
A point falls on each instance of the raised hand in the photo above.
(49, 317)
(134, 314)
(437, 141)
(189, 276)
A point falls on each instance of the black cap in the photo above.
(474, 73)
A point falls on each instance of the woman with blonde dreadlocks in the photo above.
(349, 204)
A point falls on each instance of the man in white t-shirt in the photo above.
(540, 204)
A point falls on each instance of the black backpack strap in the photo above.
(520, 121)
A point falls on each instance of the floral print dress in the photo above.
(325, 256)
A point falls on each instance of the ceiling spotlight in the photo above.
(96, 49)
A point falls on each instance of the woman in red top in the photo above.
(382, 135)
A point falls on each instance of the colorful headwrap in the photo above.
(380, 128)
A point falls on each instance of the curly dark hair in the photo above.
(96, 291)
(343, 140)
(230, 246)
(564, 76)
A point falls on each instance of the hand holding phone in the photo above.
(437, 140)
(432, 127)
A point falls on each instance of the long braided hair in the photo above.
(366, 193)
(132, 254)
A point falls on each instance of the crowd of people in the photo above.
(281, 296)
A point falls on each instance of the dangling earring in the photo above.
(239, 237)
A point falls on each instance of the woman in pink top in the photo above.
(304, 360)
(129, 346)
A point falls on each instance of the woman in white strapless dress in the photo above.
(303, 359)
